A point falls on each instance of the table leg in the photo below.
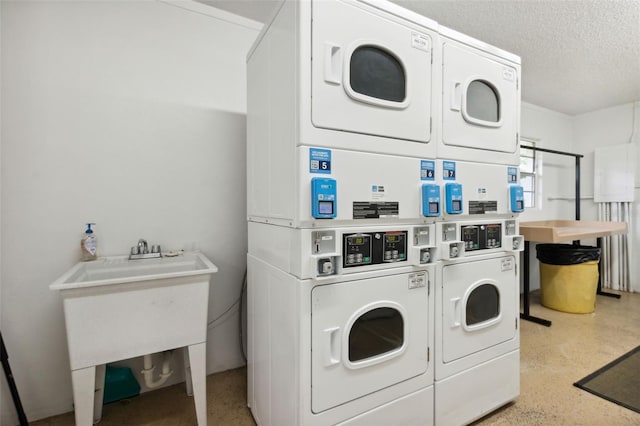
(599, 290)
(84, 381)
(525, 277)
(198, 362)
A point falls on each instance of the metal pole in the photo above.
(577, 188)
(12, 384)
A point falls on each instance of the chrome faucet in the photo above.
(141, 251)
(143, 248)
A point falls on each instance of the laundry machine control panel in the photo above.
(374, 248)
(481, 237)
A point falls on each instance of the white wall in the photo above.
(551, 130)
(608, 127)
(130, 115)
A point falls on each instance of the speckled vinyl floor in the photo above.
(552, 359)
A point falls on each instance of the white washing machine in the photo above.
(349, 342)
(480, 101)
(477, 319)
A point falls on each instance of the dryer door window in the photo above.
(376, 74)
(483, 304)
(375, 333)
(482, 105)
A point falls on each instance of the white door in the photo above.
(367, 335)
(479, 309)
(480, 100)
(370, 74)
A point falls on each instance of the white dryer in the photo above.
(348, 74)
(340, 88)
(477, 321)
(480, 101)
(340, 326)
(371, 69)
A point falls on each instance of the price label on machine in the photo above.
(319, 160)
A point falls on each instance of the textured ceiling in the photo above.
(577, 55)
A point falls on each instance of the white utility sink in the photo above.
(117, 309)
(119, 270)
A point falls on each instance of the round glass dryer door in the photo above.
(367, 335)
(482, 104)
(479, 306)
(375, 334)
(483, 305)
(376, 75)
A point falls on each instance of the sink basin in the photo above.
(120, 270)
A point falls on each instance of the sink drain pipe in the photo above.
(147, 373)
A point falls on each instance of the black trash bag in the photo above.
(566, 254)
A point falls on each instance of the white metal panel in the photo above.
(333, 380)
(364, 177)
(274, 335)
(482, 183)
(614, 174)
(477, 391)
(271, 117)
(415, 409)
(334, 105)
(458, 280)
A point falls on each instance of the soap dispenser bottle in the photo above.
(89, 244)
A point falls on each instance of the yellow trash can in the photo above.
(568, 277)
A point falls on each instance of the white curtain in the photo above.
(616, 248)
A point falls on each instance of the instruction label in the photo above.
(482, 207)
(420, 41)
(375, 210)
(320, 160)
(377, 192)
(507, 264)
(508, 74)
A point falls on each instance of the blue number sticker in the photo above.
(319, 160)
(449, 170)
(427, 170)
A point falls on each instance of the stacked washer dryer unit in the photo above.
(340, 271)
(477, 296)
